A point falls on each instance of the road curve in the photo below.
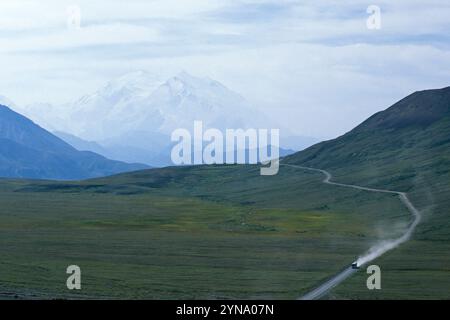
(375, 251)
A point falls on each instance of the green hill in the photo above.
(404, 148)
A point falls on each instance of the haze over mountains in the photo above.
(28, 151)
(131, 118)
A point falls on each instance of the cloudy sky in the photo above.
(313, 65)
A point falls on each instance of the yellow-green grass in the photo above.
(198, 232)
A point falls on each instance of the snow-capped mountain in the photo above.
(113, 110)
(183, 99)
(138, 102)
(131, 118)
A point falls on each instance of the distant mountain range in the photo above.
(131, 118)
(28, 151)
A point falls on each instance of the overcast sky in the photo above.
(314, 65)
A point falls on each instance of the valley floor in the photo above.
(191, 233)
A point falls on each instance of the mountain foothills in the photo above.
(28, 151)
(132, 117)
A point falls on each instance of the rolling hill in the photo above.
(28, 151)
(404, 148)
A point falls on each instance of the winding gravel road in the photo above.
(375, 251)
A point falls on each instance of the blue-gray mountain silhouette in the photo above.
(28, 151)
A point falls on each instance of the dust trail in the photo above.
(378, 249)
(386, 245)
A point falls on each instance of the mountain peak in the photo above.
(403, 147)
(421, 108)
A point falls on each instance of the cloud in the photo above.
(311, 64)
